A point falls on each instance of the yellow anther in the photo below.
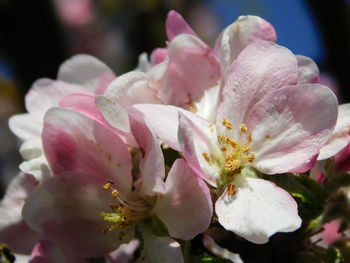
(222, 137)
(107, 186)
(223, 149)
(232, 164)
(250, 138)
(114, 193)
(251, 157)
(243, 128)
(231, 189)
(227, 124)
(231, 142)
(206, 157)
(245, 148)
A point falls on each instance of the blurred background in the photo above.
(37, 36)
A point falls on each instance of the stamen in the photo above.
(231, 142)
(232, 163)
(124, 213)
(114, 193)
(223, 148)
(250, 138)
(231, 189)
(228, 125)
(222, 138)
(107, 186)
(243, 128)
(206, 157)
(251, 157)
(245, 148)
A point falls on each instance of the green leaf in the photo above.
(334, 256)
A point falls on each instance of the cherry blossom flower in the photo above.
(92, 205)
(165, 80)
(82, 74)
(79, 79)
(265, 124)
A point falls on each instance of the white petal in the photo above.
(84, 70)
(13, 231)
(257, 210)
(210, 244)
(161, 249)
(307, 70)
(340, 136)
(35, 162)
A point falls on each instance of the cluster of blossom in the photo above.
(132, 167)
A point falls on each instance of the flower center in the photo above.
(236, 154)
(125, 213)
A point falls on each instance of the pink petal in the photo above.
(307, 70)
(66, 209)
(257, 210)
(185, 207)
(13, 231)
(163, 120)
(195, 141)
(289, 127)
(86, 105)
(125, 91)
(84, 70)
(328, 235)
(207, 106)
(191, 69)
(46, 93)
(83, 103)
(104, 80)
(152, 160)
(176, 25)
(161, 249)
(74, 142)
(250, 81)
(131, 88)
(114, 114)
(46, 252)
(340, 138)
(244, 31)
(158, 55)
